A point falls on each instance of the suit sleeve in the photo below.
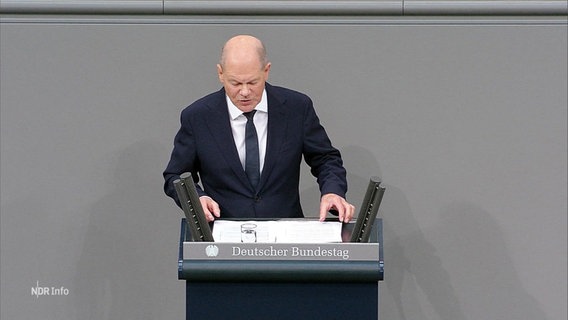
(183, 158)
(324, 160)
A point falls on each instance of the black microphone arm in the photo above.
(369, 209)
(191, 206)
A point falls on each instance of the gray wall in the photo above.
(463, 118)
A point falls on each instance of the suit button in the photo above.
(257, 198)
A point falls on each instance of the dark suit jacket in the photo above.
(205, 147)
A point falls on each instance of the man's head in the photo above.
(243, 71)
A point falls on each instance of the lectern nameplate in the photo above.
(281, 251)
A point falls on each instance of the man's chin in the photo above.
(247, 106)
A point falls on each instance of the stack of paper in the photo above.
(283, 231)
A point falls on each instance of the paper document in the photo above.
(282, 231)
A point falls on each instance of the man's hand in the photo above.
(332, 201)
(210, 208)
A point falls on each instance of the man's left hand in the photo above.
(332, 201)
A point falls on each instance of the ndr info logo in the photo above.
(38, 291)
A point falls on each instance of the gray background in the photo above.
(464, 120)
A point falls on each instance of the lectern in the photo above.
(282, 281)
(272, 281)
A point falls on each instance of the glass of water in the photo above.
(248, 232)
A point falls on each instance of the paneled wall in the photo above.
(464, 118)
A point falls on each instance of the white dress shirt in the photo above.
(238, 123)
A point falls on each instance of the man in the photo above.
(216, 134)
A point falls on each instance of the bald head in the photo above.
(243, 49)
(243, 71)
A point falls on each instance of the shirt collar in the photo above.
(234, 112)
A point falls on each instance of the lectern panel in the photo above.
(282, 301)
(282, 280)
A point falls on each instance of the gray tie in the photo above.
(252, 159)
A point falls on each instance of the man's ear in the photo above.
(267, 70)
(220, 72)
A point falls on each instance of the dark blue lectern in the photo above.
(282, 281)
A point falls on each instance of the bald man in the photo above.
(216, 133)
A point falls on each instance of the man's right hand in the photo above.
(210, 208)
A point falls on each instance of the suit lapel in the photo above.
(220, 128)
(277, 124)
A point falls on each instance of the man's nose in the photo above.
(245, 90)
